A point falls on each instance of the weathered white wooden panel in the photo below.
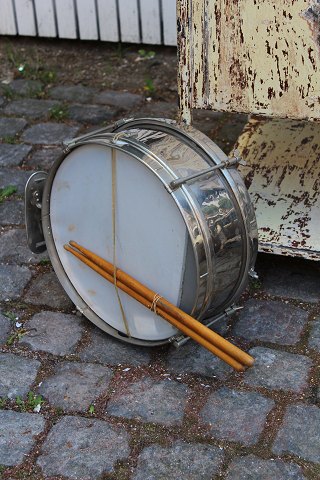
(7, 22)
(25, 17)
(108, 20)
(169, 17)
(282, 174)
(45, 18)
(260, 57)
(129, 21)
(87, 18)
(66, 19)
(150, 21)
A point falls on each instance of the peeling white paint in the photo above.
(251, 56)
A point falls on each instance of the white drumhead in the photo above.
(151, 236)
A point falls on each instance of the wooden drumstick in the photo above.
(183, 328)
(208, 334)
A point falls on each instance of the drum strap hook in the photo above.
(114, 179)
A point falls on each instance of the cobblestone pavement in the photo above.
(78, 404)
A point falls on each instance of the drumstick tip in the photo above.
(251, 361)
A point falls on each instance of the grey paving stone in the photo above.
(14, 248)
(12, 155)
(30, 107)
(271, 321)
(236, 416)
(151, 401)
(92, 114)
(2, 100)
(82, 449)
(17, 435)
(314, 339)
(123, 100)
(49, 133)
(52, 332)
(44, 158)
(278, 370)
(291, 278)
(181, 460)
(300, 433)
(254, 468)
(17, 374)
(74, 386)
(106, 349)
(12, 213)
(13, 280)
(9, 127)
(73, 93)
(18, 178)
(192, 358)
(157, 109)
(25, 87)
(46, 290)
(5, 327)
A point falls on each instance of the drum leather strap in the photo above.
(114, 179)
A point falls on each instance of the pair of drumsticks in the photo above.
(219, 346)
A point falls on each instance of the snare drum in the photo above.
(164, 201)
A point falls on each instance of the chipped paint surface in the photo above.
(283, 178)
(252, 56)
(185, 57)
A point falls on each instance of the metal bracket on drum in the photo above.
(253, 274)
(179, 340)
(33, 204)
(226, 164)
(114, 138)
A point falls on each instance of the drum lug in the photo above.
(253, 274)
(178, 340)
(33, 204)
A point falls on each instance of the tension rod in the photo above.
(180, 181)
